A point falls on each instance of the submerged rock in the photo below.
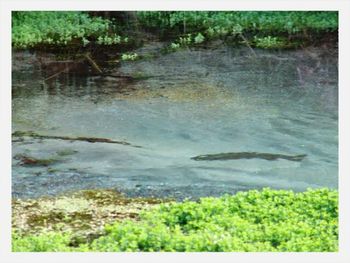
(248, 155)
(67, 138)
(26, 160)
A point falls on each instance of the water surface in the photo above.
(203, 101)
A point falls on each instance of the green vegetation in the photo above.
(37, 28)
(266, 220)
(130, 56)
(271, 42)
(264, 29)
(82, 214)
(222, 23)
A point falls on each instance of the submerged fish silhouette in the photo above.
(248, 155)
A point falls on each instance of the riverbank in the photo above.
(73, 33)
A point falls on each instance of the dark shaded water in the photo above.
(200, 102)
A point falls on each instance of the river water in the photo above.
(199, 101)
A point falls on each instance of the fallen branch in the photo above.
(67, 138)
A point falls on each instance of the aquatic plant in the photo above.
(265, 220)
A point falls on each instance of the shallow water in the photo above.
(198, 102)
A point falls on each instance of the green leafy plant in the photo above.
(54, 28)
(34, 28)
(175, 46)
(199, 38)
(130, 56)
(262, 24)
(270, 42)
(266, 220)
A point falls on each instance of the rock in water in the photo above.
(248, 155)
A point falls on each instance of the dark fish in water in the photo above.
(248, 155)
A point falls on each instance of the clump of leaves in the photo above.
(51, 241)
(266, 220)
(270, 42)
(130, 56)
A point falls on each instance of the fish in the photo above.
(248, 155)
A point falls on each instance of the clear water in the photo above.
(199, 102)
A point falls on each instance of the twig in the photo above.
(93, 63)
(55, 75)
(248, 45)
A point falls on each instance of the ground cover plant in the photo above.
(37, 28)
(265, 220)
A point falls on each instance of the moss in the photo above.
(83, 213)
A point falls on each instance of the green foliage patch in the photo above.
(222, 23)
(60, 28)
(35, 28)
(266, 220)
(266, 27)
